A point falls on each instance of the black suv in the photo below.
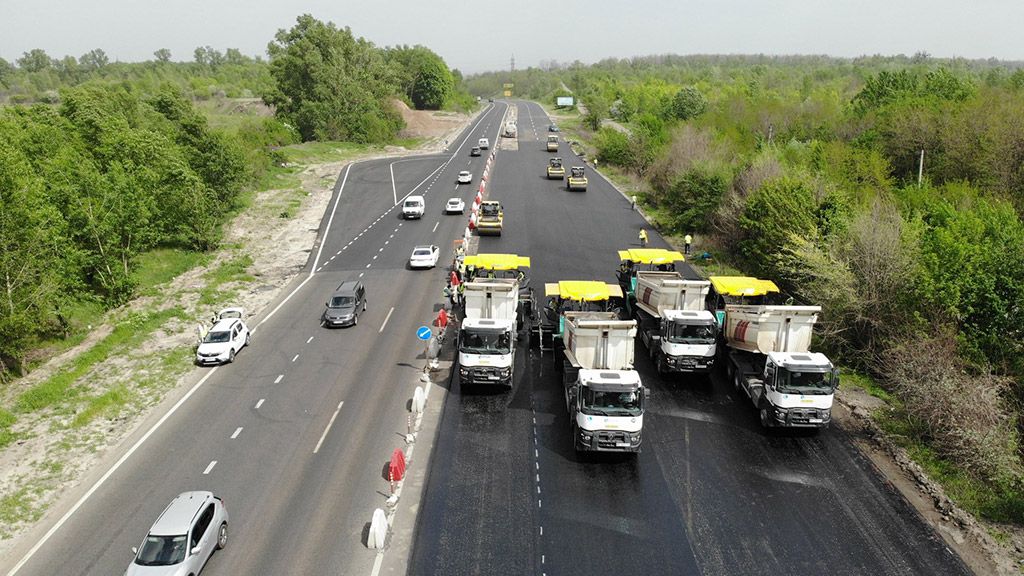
(475, 151)
(346, 304)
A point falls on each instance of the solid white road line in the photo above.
(210, 467)
(237, 432)
(394, 192)
(386, 318)
(278, 379)
(328, 429)
(108, 474)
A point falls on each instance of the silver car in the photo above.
(183, 538)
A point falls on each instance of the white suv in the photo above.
(413, 207)
(183, 538)
(226, 337)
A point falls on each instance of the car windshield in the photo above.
(342, 302)
(690, 334)
(481, 342)
(598, 403)
(412, 203)
(162, 551)
(217, 337)
(807, 383)
(421, 252)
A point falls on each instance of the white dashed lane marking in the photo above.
(295, 358)
(237, 432)
(279, 378)
(259, 403)
(209, 468)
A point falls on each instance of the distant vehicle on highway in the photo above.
(490, 99)
(424, 256)
(474, 151)
(226, 337)
(465, 177)
(183, 538)
(552, 128)
(484, 143)
(345, 305)
(454, 206)
(413, 207)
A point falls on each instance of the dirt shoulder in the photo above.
(55, 452)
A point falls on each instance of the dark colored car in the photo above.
(346, 304)
(553, 128)
(475, 151)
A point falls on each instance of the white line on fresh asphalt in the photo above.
(361, 273)
(374, 257)
(381, 249)
(386, 242)
(328, 429)
(310, 339)
(108, 474)
(260, 403)
(295, 358)
(210, 467)
(386, 318)
(368, 265)
(237, 432)
(279, 378)
(435, 226)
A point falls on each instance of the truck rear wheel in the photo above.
(736, 384)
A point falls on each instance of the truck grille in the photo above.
(803, 416)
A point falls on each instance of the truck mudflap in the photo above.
(798, 417)
(607, 440)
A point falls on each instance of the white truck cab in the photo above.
(484, 143)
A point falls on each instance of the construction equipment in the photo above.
(638, 259)
(490, 217)
(487, 335)
(571, 296)
(510, 129)
(770, 362)
(679, 333)
(555, 169)
(604, 395)
(506, 266)
(552, 145)
(577, 179)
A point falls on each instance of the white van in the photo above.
(413, 207)
(484, 143)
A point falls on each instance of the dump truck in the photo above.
(679, 333)
(571, 296)
(552, 145)
(635, 260)
(489, 218)
(769, 361)
(747, 290)
(487, 335)
(577, 179)
(510, 267)
(604, 395)
(555, 169)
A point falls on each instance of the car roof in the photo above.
(465, 172)
(177, 517)
(423, 247)
(414, 197)
(454, 199)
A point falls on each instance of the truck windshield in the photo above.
(690, 334)
(484, 342)
(807, 383)
(598, 403)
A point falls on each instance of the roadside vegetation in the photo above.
(805, 170)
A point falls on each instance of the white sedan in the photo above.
(424, 257)
(454, 206)
(465, 177)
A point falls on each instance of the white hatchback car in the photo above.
(226, 337)
(424, 257)
(465, 177)
(454, 206)
(183, 538)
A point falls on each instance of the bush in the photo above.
(612, 146)
(695, 195)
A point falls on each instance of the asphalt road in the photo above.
(296, 434)
(711, 493)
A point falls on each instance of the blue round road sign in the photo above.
(424, 333)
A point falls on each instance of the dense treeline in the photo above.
(87, 186)
(805, 170)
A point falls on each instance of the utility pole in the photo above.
(513, 66)
(920, 168)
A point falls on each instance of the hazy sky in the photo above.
(482, 35)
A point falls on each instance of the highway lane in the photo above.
(710, 494)
(250, 431)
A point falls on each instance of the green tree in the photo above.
(331, 85)
(35, 60)
(695, 196)
(93, 60)
(162, 55)
(688, 103)
(777, 216)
